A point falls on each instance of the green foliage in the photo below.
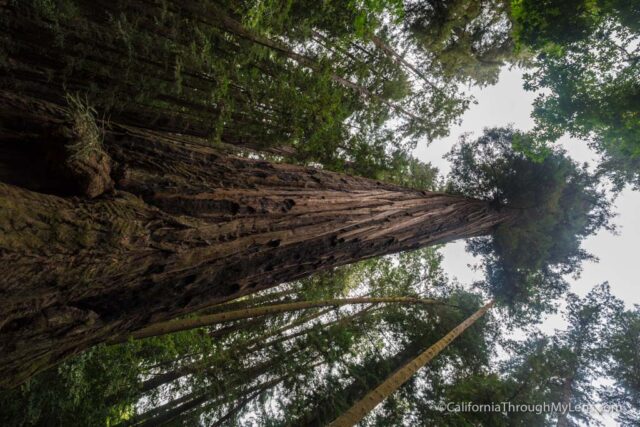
(587, 70)
(555, 205)
(76, 392)
(623, 366)
(409, 334)
(97, 388)
(178, 67)
(470, 40)
(582, 345)
(537, 23)
(538, 372)
(481, 388)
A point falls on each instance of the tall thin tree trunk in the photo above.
(399, 59)
(262, 389)
(569, 377)
(297, 322)
(242, 351)
(250, 300)
(567, 393)
(248, 313)
(260, 344)
(359, 410)
(173, 409)
(239, 405)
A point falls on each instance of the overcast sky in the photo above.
(507, 103)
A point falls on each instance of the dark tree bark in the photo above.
(181, 227)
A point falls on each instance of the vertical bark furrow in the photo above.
(185, 227)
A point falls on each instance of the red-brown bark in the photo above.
(186, 227)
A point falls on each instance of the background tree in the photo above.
(400, 376)
(164, 374)
(526, 263)
(587, 65)
(536, 372)
(581, 350)
(623, 341)
(222, 72)
(410, 336)
(469, 41)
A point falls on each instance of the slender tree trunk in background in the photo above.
(263, 320)
(300, 321)
(238, 407)
(176, 408)
(247, 313)
(241, 351)
(567, 392)
(256, 345)
(358, 411)
(568, 381)
(262, 388)
(395, 56)
(244, 325)
(250, 301)
(203, 366)
(158, 412)
(329, 406)
(164, 417)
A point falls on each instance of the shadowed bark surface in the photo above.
(110, 226)
(185, 227)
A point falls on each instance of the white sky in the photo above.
(508, 103)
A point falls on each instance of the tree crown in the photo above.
(556, 204)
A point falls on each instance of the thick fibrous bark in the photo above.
(186, 227)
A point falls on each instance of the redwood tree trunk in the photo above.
(164, 328)
(374, 397)
(183, 228)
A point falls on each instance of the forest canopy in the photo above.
(212, 212)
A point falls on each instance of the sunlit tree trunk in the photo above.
(242, 351)
(359, 410)
(265, 310)
(253, 300)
